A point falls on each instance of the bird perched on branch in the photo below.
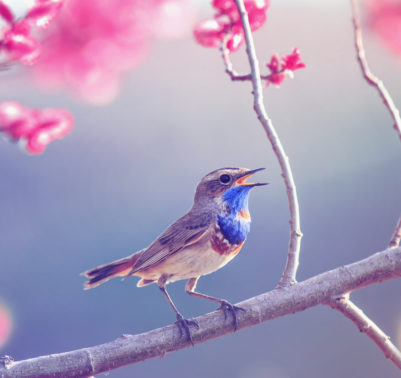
(202, 241)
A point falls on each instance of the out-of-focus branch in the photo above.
(129, 349)
(289, 274)
(396, 238)
(373, 80)
(367, 326)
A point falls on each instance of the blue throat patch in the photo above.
(234, 228)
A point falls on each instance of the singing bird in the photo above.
(202, 241)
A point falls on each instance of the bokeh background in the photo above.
(129, 169)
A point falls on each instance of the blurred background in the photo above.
(130, 166)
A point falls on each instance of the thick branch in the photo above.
(290, 271)
(129, 349)
(367, 326)
(373, 80)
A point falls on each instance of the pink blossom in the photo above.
(385, 21)
(36, 129)
(210, 32)
(292, 61)
(93, 42)
(226, 23)
(43, 12)
(19, 44)
(17, 39)
(6, 13)
(282, 67)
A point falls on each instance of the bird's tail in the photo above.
(105, 272)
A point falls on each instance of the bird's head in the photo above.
(228, 184)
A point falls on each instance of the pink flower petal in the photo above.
(92, 42)
(256, 13)
(56, 124)
(224, 6)
(274, 65)
(275, 79)
(236, 39)
(227, 9)
(292, 61)
(6, 13)
(44, 12)
(22, 27)
(35, 128)
(209, 33)
(15, 120)
(385, 21)
(20, 45)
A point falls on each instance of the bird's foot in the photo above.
(227, 307)
(184, 324)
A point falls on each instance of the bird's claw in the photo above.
(184, 324)
(228, 307)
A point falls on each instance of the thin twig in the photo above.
(373, 80)
(234, 75)
(396, 238)
(367, 326)
(129, 349)
(289, 274)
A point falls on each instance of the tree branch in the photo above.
(396, 238)
(373, 80)
(290, 271)
(129, 349)
(367, 326)
(234, 75)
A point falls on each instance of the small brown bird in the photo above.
(201, 242)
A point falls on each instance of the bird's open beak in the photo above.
(241, 180)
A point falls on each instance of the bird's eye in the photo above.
(225, 179)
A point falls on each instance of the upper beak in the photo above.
(242, 178)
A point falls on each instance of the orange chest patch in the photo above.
(245, 215)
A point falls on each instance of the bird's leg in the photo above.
(224, 305)
(183, 324)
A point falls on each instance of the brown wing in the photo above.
(181, 234)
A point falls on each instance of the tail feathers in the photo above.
(105, 272)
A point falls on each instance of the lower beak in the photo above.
(242, 179)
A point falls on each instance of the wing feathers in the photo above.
(186, 231)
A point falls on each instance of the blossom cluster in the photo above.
(34, 128)
(226, 23)
(18, 42)
(93, 42)
(282, 67)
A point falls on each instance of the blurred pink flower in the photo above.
(5, 324)
(92, 42)
(226, 23)
(281, 68)
(16, 38)
(36, 129)
(385, 21)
